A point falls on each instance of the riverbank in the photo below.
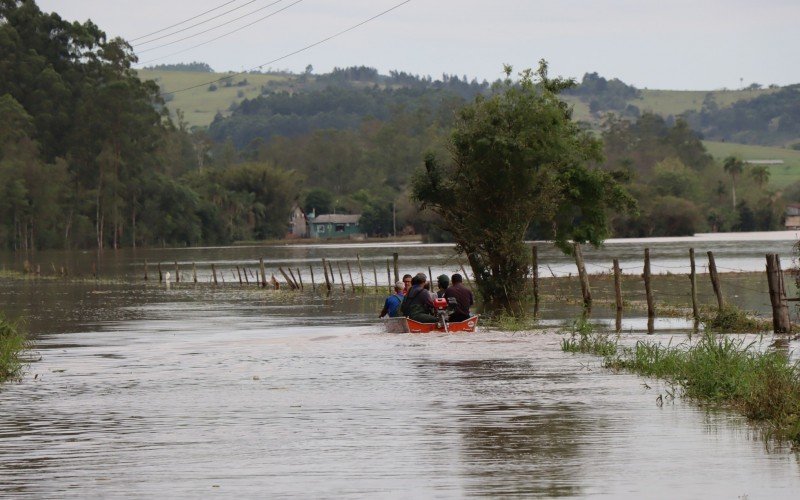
(763, 384)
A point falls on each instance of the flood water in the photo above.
(144, 390)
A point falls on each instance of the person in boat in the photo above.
(418, 303)
(463, 296)
(442, 282)
(406, 283)
(391, 306)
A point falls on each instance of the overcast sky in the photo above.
(666, 44)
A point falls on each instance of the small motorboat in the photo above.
(406, 325)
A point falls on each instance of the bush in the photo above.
(12, 344)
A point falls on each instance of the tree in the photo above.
(517, 158)
(760, 174)
(733, 166)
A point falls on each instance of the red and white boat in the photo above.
(406, 325)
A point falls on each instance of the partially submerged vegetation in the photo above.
(731, 319)
(764, 385)
(13, 343)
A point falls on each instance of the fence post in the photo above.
(585, 290)
(313, 284)
(325, 270)
(777, 295)
(395, 258)
(651, 312)
(263, 273)
(350, 273)
(535, 264)
(712, 270)
(177, 273)
(361, 272)
(214, 272)
(375, 274)
(300, 277)
(617, 286)
(389, 276)
(145, 269)
(194, 272)
(693, 280)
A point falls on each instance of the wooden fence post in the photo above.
(341, 278)
(617, 285)
(396, 259)
(263, 273)
(585, 290)
(693, 280)
(145, 269)
(194, 272)
(389, 276)
(361, 272)
(294, 279)
(712, 270)
(466, 276)
(651, 312)
(350, 273)
(535, 265)
(239, 272)
(375, 274)
(300, 277)
(177, 273)
(330, 269)
(313, 284)
(214, 272)
(777, 295)
(325, 270)
(160, 274)
(289, 281)
(246, 280)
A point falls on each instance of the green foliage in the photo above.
(765, 386)
(771, 118)
(319, 201)
(517, 158)
(195, 66)
(731, 319)
(13, 343)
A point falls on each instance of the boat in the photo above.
(406, 325)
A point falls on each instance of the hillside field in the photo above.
(200, 105)
(780, 175)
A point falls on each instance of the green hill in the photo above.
(781, 175)
(200, 105)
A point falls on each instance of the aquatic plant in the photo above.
(13, 343)
(763, 385)
(583, 339)
(731, 319)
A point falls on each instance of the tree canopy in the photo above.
(517, 158)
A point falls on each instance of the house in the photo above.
(792, 216)
(334, 225)
(298, 223)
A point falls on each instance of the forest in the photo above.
(90, 157)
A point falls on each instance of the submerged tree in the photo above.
(733, 166)
(518, 159)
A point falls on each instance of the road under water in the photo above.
(190, 390)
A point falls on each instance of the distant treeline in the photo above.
(196, 66)
(770, 119)
(90, 158)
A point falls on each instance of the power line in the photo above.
(222, 35)
(203, 22)
(182, 22)
(319, 42)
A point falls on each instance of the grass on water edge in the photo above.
(13, 343)
(720, 370)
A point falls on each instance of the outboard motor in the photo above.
(442, 314)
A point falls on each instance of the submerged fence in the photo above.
(343, 274)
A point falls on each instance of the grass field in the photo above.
(675, 102)
(201, 105)
(780, 175)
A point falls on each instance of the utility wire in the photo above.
(319, 42)
(182, 22)
(220, 36)
(201, 23)
(219, 26)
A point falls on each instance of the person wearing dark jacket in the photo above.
(463, 296)
(443, 282)
(418, 303)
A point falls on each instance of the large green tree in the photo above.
(517, 158)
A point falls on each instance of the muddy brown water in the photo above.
(146, 391)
